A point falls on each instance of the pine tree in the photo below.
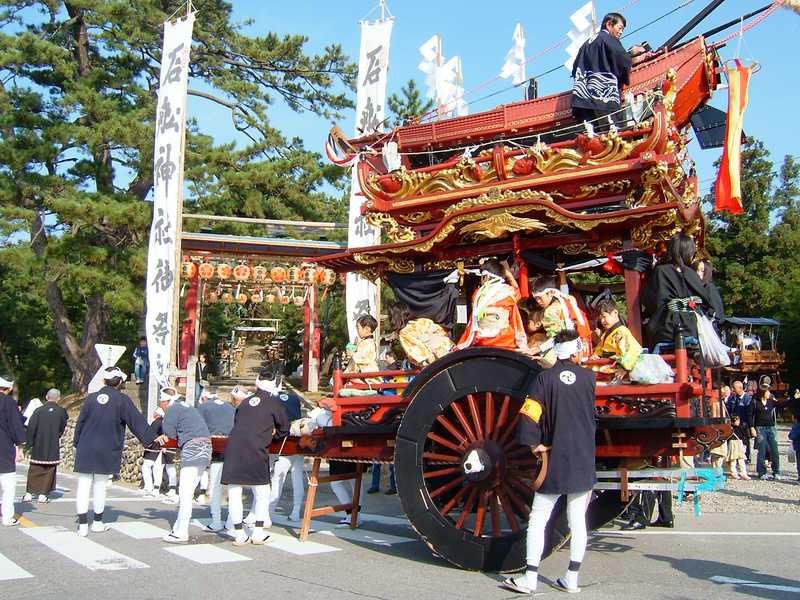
(409, 105)
(78, 84)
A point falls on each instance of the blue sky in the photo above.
(480, 33)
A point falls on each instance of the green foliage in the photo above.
(756, 255)
(409, 104)
(77, 107)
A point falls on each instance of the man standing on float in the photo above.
(558, 417)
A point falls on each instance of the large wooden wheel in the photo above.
(464, 483)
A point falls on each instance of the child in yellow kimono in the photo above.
(617, 341)
(540, 346)
(363, 352)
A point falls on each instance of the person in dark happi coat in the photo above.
(558, 417)
(674, 293)
(45, 429)
(219, 416)
(602, 66)
(99, 439)
(259, 419)
(12, 437)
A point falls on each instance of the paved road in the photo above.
(714, 556)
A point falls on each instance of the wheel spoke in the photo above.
(521, 485)
(467, 509)
(447, 424)
(462, 418)
(518, 503)
(441, 472)
(495, 514)
(447, 486)
(509, 430)
(480, 515)
(445, 458)
(453, 501)
(476, 416)
(444, 442)
(508, 510)
(503, 416)
(489, 404)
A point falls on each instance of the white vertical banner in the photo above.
(168, 154)
(361, 295)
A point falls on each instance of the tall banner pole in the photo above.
(161, 322)
(373, 68)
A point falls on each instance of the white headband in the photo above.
(169, 395)
(567, 349)
(5, 383)
(267, 385)
(115, 372)
(239, 393)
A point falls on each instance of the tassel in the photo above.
(791, 5)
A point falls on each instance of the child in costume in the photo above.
(561, 311)
(539, 344)
(617, 341)
(495, 320)
(363, 352)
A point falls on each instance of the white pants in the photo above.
(344, 492)
(94, 485)
(260, 503)
(204, 481)
(188, 481)
(215, 491)
(152, 472)
(172, 475)
(540, 514)
(281, 466)
(8, 485)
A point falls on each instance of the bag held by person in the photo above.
(714, 351)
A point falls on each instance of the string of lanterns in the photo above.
(240, 294)
(243, 272)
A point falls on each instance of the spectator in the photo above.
(794, 437)
(739, 405)
(141, 361)
(761, 419)
(12, 437)
(202, 373)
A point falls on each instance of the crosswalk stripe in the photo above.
(206, 554)
(83, 551)
(286, 543)
(345, 533)
(292, 545)
(139, 531)
(383, 519)
(10, 570)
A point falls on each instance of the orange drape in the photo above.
(727, 189)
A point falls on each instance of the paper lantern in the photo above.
(298, 300)
(260, 273)
(188, 269)
(241, 272)
(295, 274)
(241, 298)
(206, 270)
(284, 299)
(327, 277)
(277, 274)
(257, 297)
(227, 297)
(310, 275)
(224, 270)
(270, 298)
(213, 297)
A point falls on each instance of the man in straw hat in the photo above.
(12, 437)
(45, 428)
(558, 417)
(99, 439)
(184, 423)
(259, 419)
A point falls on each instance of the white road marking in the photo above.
(83, 551)
(701, 533)
(292, 545)
(125, 499)
(384, 519)
(139, 531)
(10, 570)
(755, 584)
(345, 533)
(206, 554)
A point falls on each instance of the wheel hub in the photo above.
(482, 462)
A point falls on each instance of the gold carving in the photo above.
(414, 183)
(494, 226)
(590, 191)
(417, 217)
(397, 233)
(650, 233)
(647, 193)
(495, 196)
(398, 265)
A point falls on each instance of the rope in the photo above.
(749, 26)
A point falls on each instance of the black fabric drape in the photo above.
(427, 295)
